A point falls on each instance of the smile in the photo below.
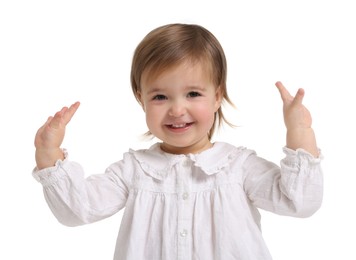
(179, 126)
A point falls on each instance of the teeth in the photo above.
(178, 126)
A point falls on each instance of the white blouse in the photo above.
(190, 207)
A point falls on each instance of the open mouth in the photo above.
(179, 126)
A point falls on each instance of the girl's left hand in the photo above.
(296, 115)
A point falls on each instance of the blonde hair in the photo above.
(170, 45)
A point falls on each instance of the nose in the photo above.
(177, 109)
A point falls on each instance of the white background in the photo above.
(53, 53)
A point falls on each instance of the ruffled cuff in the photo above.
(291, 155)
(50, 175)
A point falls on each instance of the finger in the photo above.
(285, 95)
(49, 119)
(56, 121)
(68, 114)
(298, 99)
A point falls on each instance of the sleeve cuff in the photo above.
(48, 175)
(300, 152)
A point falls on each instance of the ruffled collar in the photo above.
(158, 163)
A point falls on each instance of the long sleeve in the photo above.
(75, 200)
(294, 189)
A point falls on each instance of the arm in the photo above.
(73, 199)
(298, 122)
(50, 137)
(295, 188)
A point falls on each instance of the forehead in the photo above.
(186, 69)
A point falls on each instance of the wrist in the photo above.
(47, 157)
(302, 138)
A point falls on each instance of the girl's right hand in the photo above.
(50, 137)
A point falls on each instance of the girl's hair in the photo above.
(168, 46)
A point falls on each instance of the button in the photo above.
(185, 195)
(183, 233)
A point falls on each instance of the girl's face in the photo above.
(180, 105)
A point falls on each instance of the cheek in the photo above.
(148, 113)
(153, 114)
(150, 121)
(205, 111)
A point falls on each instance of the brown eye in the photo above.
(194, 94)
(159, 97)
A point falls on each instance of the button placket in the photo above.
(185, 195)
(186, 180)
(184, 221)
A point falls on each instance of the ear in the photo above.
(218, 98)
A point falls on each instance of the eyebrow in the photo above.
(190, 88)
(154, 90)
(200, 88)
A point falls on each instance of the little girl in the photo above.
(185, 197)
